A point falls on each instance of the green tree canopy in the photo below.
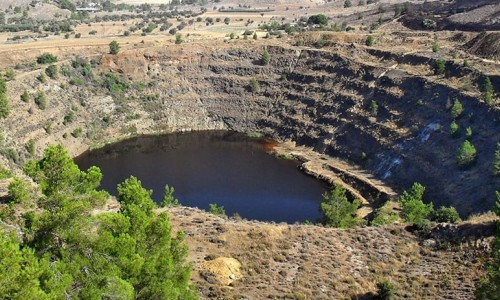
(70, 251)
(446, 214)
(440, 67)
(168, 197)
(52, 71)
(114, 47)
(178, 39)
(319, 19)
(4, 102)
(338, 211)
(254, 85)
(412, 205)
(57, 173)
(456, 109)
(20, 270)
(46, 58)
(265, 58)
(466, 154)
(488, 90)
(369, 40)
(496, 161)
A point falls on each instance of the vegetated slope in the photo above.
(308, 262)
(318, 98)
(231, 258)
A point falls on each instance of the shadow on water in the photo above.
(221, 167)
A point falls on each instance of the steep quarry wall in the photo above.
(317, 98)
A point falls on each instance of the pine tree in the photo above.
(338, 211)
(488, 90)
(440, 67)
(114, 47)
(496, 162)
(265, 58)
(456, 109)
(412, 205)
(466, 154)
(78, 254)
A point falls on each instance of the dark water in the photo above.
(226, 168)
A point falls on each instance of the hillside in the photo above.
(373, 96)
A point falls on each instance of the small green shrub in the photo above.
(456, 109)
(114, 84)
(254, 134)
(265, 58)
(454, 129)
(46, 58)
(168, 197)
(384, 216)
(440, 67)
(254, 85)
(445, 214)
(435, 47)
(412, 206)
(69, 117)
(5, 173)
(466, 154)
(3, 86)
(318, 19)
(468, 132)
(488, 90)
(9, 74)
(42, 78)
(41, 100)
(374, 108)
(48, 127)
(338, 211)
(52, 71)
(385, 290)
(178, 39)
(77, 132)
(11, 154)
(19, 191)
(25, 96)
(216, 210)
(30, 147)
(370, 41)
(114, 47)
(4, 106)
(495, 170)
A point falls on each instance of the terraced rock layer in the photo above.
(318, 98)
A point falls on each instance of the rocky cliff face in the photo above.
(318, 98)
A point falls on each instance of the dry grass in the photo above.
(320, 263)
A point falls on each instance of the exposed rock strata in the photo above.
(314, 97)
